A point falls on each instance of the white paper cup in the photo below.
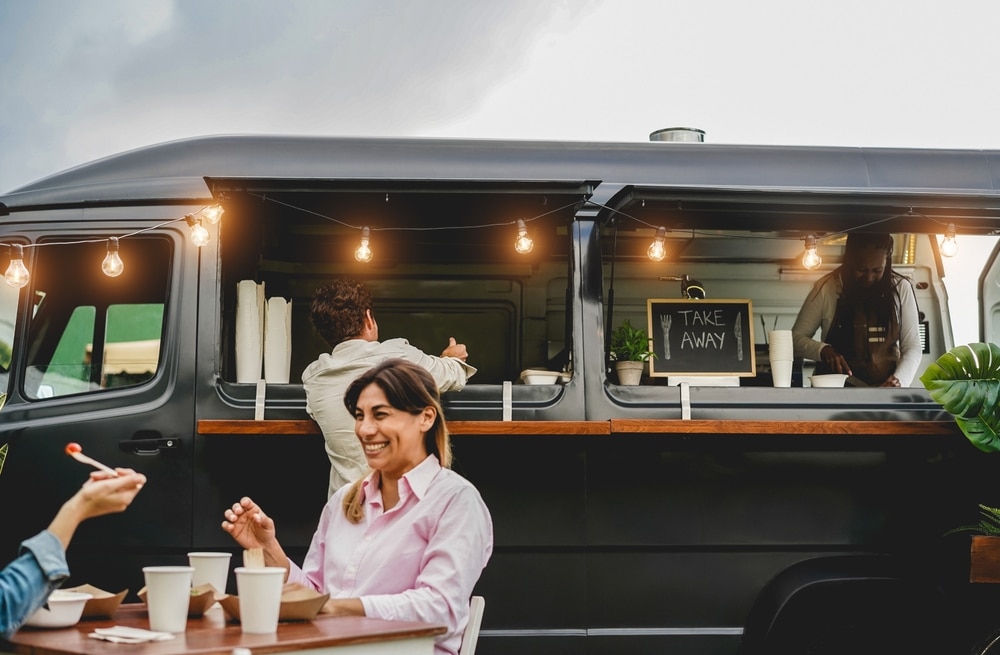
(780, 354)
(210, 568)
(168, 594)
(259, 592)
(781, 372)
(779, 337)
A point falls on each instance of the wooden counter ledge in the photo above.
(615, 426)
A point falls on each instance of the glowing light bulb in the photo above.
(811, 259)
(949, 246)
(656, 251)
(213, 214)
(523, 243)
(112, 264)
(199, 235)
(364, 252)
(17, 274)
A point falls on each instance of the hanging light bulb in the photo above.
(656, 251)
(949, 246)
(112, 264)
(213, 214)
(364, 252)
(811, 259)
(199, 235)
(523, 243)
(17, 274)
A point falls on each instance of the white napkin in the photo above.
(121, 634)
(249, 330)
(278, 340)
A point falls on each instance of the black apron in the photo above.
(870, 344)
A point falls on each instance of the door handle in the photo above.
(149, 446)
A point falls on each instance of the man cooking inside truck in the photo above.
(342, 314)
(868, 313)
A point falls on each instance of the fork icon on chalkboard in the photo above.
(665, 322)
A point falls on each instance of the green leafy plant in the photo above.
(629, 343)
(989, 523)
(965, 381)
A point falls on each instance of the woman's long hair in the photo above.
(886, 288)
(408, 388)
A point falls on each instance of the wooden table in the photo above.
(212, 634)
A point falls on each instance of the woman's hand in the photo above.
(103, 493)
(247, 523)
(891, 381)
(835, 360)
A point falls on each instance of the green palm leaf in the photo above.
(965, 381)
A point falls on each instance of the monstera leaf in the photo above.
(966, 382)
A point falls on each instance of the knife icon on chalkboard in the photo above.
(738, 332)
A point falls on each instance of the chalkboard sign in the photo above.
(701, 337)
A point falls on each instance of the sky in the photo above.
(83, 79)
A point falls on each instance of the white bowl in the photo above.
(64, 609)
(828, 380)
(538, 376)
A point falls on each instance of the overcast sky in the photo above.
(82, 79)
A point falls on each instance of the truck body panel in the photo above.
(627, 518)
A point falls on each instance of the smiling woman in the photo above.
(421, 532)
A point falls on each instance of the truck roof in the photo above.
(192, 169)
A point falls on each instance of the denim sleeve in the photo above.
(25, 584)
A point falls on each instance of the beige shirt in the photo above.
(327, 378)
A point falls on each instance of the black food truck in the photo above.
(703, 510)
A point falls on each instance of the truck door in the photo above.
(989, 294)
(106, 362)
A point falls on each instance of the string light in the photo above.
(112, 264)
(949, 246)
(199, 235)
(523, 243)
(364, 252)
(17, 274)
(213, 214)
(656, 251)
(811, 259)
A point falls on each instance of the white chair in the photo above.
(471, 635)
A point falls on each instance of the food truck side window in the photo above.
(89, 332)
(8, 311)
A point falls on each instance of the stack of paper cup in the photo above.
(780, 353)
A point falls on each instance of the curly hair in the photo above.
(338, 309)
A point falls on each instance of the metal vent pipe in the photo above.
(678, 135)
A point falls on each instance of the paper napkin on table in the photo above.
(121, 634)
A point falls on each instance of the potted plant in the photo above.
(630, 352)
(966, 382)
(984, 554)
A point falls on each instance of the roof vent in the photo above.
(678, 135)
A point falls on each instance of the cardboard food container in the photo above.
(298, 603)
(202, 598)
(102, 604)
